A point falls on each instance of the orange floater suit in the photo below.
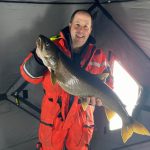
(62, 118)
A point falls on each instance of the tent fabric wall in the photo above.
(20, 26)
(133, 58)
(134, 19)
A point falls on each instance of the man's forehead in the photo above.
(81, 13)
(82, 17)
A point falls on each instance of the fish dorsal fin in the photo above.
(109, 113)
(53, 77)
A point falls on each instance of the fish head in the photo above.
(49, 51)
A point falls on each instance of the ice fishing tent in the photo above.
(122, 26)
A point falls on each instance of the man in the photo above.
(63, 122)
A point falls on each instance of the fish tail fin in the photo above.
(133, 127)
(126, 133)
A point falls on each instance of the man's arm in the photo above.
(33, 69)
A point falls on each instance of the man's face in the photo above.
(80, 29)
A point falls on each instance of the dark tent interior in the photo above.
(122, 26)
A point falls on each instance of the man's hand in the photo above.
(90, 100)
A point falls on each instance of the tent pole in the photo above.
(23, 109)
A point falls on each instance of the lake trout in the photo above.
(78, 82)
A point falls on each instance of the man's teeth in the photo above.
(79, 36)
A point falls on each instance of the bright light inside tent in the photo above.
(127, 90)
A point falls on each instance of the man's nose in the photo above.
(81, 29)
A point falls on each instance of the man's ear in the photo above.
(91, 30)
(69, 24)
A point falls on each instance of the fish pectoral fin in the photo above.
(109, 113)
(39, 43)
(53, 77)
(84, 105)
(136, 127)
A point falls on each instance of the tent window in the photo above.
(127, 90)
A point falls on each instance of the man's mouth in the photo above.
(80, 36)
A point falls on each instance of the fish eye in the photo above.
(47, 44)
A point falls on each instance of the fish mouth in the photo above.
(39, 43)
(52, 59)
(53, 62)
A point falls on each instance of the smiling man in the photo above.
(64, 122)
(80, 29)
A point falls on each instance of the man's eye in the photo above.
(85, 27)
(78, 25)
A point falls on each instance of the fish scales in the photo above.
(76, 81)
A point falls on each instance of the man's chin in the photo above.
(81, 42)
(80, 45)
